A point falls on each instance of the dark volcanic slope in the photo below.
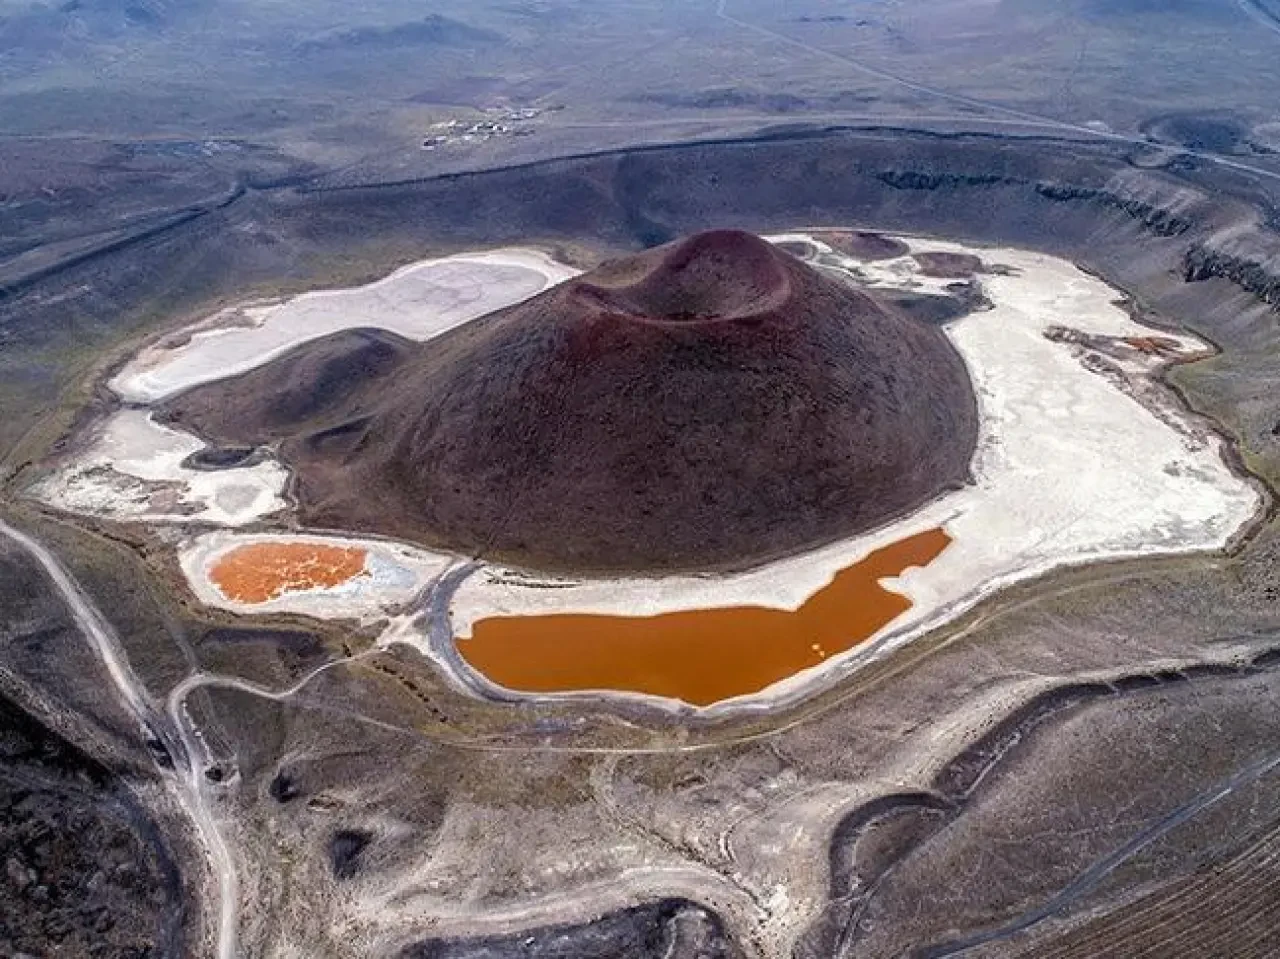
(712, 402)
(336, 374)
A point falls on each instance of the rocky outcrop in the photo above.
(82, 872)
(1201, 263)
(1158, 220)
(920, 180)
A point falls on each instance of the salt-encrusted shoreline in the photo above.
(1083, 456)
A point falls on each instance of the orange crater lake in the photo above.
(259, 572)
(698, 656)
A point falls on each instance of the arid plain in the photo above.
(1055, 735)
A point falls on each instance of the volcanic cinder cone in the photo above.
(707, 404)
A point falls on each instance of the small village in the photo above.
(500, 122)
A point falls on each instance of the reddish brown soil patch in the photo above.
(867, 247)
(259, 572)
(1154, 345)
(949, 266)
(702, 656)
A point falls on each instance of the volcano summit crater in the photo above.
(708, 404)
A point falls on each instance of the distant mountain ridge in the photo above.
(432, 30)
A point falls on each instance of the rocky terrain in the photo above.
(671, 927)
(84, 871)
(1096, 748)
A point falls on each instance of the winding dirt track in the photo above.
(179, 740)
(1227, 909)
(1262, 13)
(1102, 868)
(175, 736)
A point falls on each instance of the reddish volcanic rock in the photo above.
(949, 266)
(706, 404)
(865, 246)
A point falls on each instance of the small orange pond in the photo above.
(258, 572)
(700, 656)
